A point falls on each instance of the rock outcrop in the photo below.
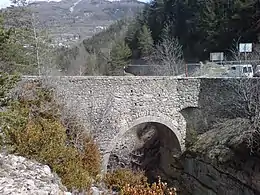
(220, 162)
(19, 175)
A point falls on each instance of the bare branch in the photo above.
(168, 54)
(245, 101)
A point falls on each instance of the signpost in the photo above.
(245, 48)
(218, 56)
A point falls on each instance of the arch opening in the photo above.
(149, 146)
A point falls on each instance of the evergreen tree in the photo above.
(145, 41)
(156, 18)
(120, 55)
(28, 49)
(19, 53)
(131, 35)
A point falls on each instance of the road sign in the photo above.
(245, 47)
(218, 56)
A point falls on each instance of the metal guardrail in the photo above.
(190, 68)
(237, 62)
(155, 70)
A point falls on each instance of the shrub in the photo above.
(83, 142)
(158, 188)
(129, 182)
(91, 157)
(123, 177)
(32, 128)
(7, 82)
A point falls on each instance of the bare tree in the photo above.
(237, 98)
(169, 55)
(236, 55)
(248, 101)
(36, 43)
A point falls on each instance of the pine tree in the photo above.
(145, 41)
(28, 48)
(120, 55)
(131, 35)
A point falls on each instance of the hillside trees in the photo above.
(221, 22)
(4, 34)
(19, 53)
(202, 27)
(13, 56)
(28, 50)
(131, 36)
(103, 50)
(4, 38)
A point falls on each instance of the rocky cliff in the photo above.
(221, 161)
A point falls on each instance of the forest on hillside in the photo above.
(171, 31)
(200, 26)
(166, 32)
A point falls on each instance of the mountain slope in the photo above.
(69, 19)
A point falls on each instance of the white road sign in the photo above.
(245, 47)
(218, 56)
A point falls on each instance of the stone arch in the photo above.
(176, 126)
(164, 120)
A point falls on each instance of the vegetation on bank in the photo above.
(31, 126)
(128, 182)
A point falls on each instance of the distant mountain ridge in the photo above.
(69, 19)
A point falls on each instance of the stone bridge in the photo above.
(110, 107)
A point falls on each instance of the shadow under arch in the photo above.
(170, 123)
(196, 123)
(149, 143)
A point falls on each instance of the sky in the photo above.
(4, 3)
